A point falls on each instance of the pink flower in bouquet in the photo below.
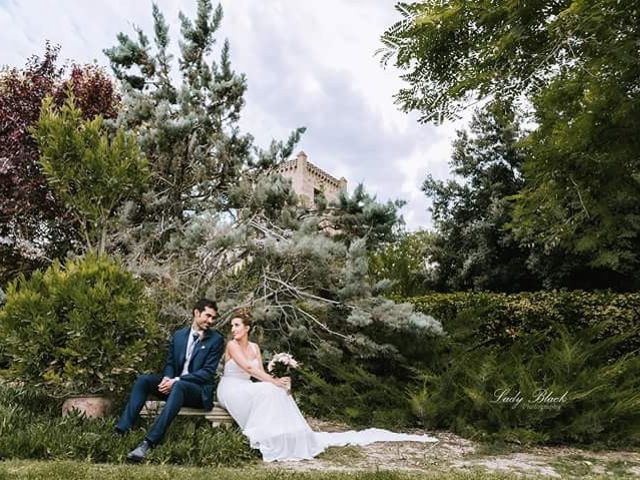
(281, 365)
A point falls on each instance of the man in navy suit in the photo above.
(188, 378)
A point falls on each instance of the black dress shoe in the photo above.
(137, 454)
(118, 433)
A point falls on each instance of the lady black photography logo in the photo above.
(541, 399)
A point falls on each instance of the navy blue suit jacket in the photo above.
(203, 364)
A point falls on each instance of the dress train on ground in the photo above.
(272, 421)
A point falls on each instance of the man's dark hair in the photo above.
(204, 303)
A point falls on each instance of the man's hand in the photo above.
(166, 384)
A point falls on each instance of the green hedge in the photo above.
(500, 316)
(584, 344)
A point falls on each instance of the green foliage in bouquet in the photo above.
(84, 327)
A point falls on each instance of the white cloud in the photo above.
(425, 157)
(307, 63)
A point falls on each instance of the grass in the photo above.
(343, 455)
(35, 442)
(620, 468)
(70, 470)
(574, 466)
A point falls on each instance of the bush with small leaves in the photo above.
(85, 327)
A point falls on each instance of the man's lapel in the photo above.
(181, 345)
(202, 345)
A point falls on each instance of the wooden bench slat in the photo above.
(216, 416)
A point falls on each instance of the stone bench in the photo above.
(216, 416)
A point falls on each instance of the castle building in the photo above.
(310, 181)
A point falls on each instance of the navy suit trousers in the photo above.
(182, 394)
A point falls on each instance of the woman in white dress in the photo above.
(267, 413)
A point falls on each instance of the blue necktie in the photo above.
(194, 344)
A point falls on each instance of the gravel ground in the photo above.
(454, 452)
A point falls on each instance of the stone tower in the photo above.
(309, 181)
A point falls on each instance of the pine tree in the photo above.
(219, 220)
(189, 132)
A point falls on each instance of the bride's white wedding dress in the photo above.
(272, 421)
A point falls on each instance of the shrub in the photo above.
(86, 327)
(498, 316)
(366, 390)
(578, 342)
(477, 393)
(351, 393)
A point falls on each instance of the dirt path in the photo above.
(453, 452)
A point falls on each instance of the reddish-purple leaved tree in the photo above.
(34, 227)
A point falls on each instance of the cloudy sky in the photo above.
(308, 63)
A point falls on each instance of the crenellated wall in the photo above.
(308, 179)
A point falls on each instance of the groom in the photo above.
(188, 378)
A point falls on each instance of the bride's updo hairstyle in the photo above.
(244, 314)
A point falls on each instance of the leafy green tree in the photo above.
(406, 263)
(460, 50)
(93, 174)
(35, 225)
(582, 193)
(576, 64)
(472, 248)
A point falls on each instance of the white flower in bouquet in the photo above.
(281, 365)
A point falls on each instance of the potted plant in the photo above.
(82, 329)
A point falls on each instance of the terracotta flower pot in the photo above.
(92, 406)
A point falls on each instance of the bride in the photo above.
(267, 413)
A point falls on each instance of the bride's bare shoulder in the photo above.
(231, 347)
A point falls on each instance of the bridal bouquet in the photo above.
(281, 365)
